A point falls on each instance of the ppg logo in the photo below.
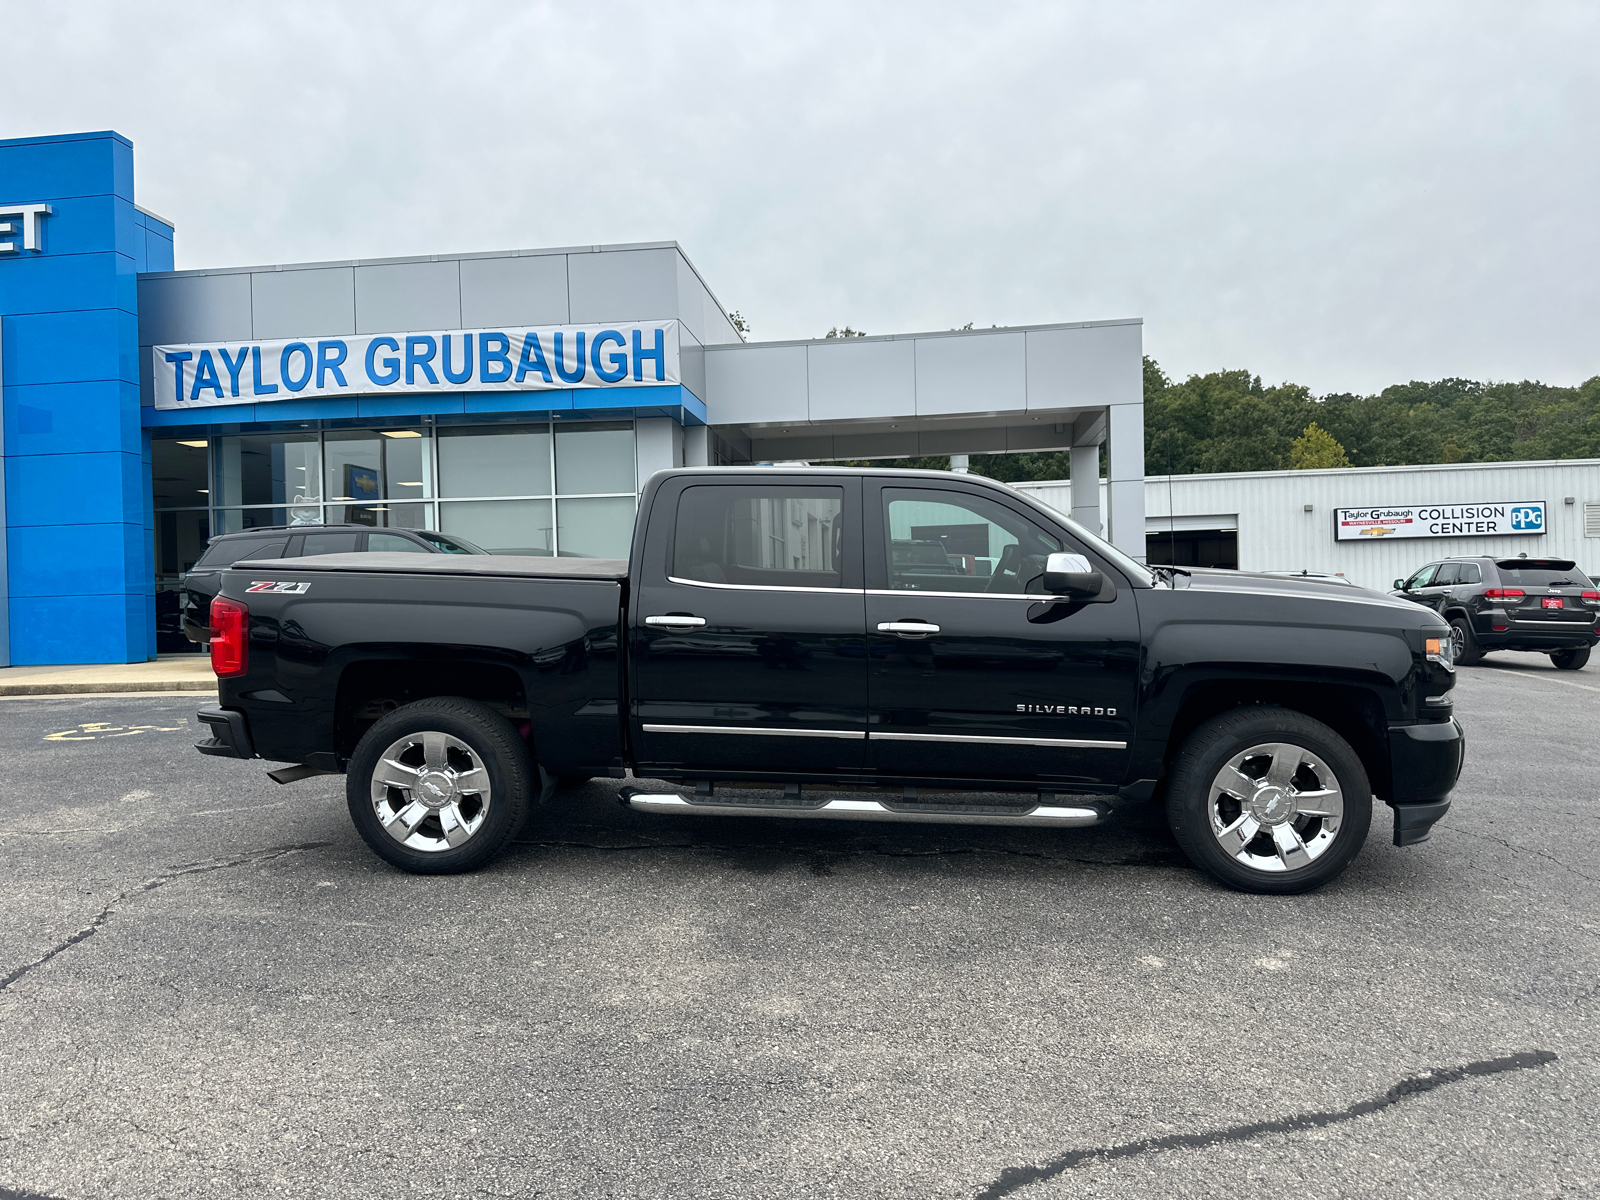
(1527, 518)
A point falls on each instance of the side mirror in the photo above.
(1399, 585)
(1071, 575)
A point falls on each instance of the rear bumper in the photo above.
(1425, 762)
(230, 733)
(1533, 635)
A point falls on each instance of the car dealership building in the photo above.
(520, 399)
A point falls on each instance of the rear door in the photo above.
(747, 638)
(973, 673)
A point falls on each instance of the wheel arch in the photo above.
(1356, 714)
(371, 688)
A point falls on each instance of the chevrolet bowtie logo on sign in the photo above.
(1440, 520)
(451, 360)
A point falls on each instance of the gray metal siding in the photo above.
(525, 290)
(208, 308)
(303, 303)
(755, 384)
(852, 380)
(399, 297)
(1098, 364)
(623, 285)
(985, 373)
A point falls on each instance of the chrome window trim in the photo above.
(1031, 597)
(757, 731)
(761, 587)
(1071, 743)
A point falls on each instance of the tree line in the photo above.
(1231, 421)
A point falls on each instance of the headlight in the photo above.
(1441, 650)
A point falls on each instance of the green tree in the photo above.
(836, 332)
(1316, 450)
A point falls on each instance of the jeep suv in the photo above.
(1541, 604)
(204, 579)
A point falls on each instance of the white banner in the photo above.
(452, 360)
(1439, 520)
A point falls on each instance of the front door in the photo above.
(748, 632)
(975, 672)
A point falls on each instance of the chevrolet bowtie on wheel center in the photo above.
(861, 645)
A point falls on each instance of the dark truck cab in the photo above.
(910, 637)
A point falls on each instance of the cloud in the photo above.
(1342, 195)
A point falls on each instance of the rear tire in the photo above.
(1570, 660)
(1267, 800)
(1467, 650)
(440, 786)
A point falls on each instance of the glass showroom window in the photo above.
(378, 477)
(518, 489)
(266, 479)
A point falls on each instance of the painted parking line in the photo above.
(90, 731)
(1541, 678)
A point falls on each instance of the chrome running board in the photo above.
(1049, 815)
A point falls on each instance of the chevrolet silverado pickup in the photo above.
(844, 644)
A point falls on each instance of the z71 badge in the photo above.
(1067, 710)
(291, 589)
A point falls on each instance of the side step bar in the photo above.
(1052, 815)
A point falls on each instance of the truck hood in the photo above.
(1248, 583)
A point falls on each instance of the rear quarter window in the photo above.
(225, 554)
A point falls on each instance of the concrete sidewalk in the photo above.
(170, 673)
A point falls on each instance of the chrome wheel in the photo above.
(1275, 807)
(430, 791)
(1458, 641)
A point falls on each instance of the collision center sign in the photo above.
(1438, 520)
(454, 360)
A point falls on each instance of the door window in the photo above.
(1449, 574)
(328, 543)
(938, 541)
(225, 554)
(392, 543)
(760, 536)
(1421, 578)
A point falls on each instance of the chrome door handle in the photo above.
(908, 628)
(675, 622)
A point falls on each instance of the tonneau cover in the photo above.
(524, 565)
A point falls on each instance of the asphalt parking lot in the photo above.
(209, 987)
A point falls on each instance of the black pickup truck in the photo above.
(938, 647)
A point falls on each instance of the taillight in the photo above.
(1504, 593)
(1591, 595)
(230, 623)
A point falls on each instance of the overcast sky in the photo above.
(1342, 195)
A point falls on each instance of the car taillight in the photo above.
(230, 622)
(1504, 593)
(1591, 595)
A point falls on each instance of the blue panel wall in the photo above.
(74, 462)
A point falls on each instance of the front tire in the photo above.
(440, 786)
(1570, 660)
(1265, 799)
(1467, 650)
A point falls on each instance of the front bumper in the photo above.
(1425, 762)
(230, 733)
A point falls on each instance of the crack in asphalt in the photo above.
(149, 885)
(1515, 849)
(1013, 1179)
